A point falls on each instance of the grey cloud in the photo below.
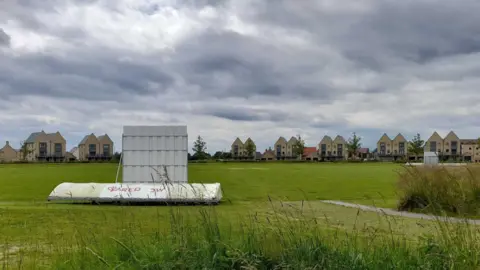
(393, 40)
(388, 33)
(4, 38)
(323, 124)
(243, 113)
(229, 64)
(95, 75)
(25, 13)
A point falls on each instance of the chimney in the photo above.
(8, 143)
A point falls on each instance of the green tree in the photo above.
(200, 148)
(25, 150)
(299, 147)
(250, 148)
(353, 145)
(415, 146)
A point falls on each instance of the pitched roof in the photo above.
(339, 137)
(269, 152)
(101, 137)
(33, 136)
(451, 133)
(7, 145)
(258, 155)
(309, 150)
(435, 134)
(384, 137)
(326, 139)
(249, 140)
(399, 137)
(237, 141)
(84, 140)
(363, 150)
(469, 141)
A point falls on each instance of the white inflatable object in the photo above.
(438, 164)
(121, 192)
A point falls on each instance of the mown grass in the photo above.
(245, 231)
(241, 182)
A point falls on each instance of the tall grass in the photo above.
(440, 189)
(284, 239)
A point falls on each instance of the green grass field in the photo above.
(241, 182)
(39, 229)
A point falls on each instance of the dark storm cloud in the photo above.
(95, 75)
(390, 31)
(4, 38)
(227, 64)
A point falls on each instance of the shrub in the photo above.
(454, 190)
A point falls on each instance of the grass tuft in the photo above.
(440, 189)
(288, 240)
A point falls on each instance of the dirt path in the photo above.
(391, 212)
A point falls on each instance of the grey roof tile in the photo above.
(32, 137)
(84, 140)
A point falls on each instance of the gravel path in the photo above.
(392, 212)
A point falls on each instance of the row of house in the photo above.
(283, 149)
(52, 147)
(450, 147)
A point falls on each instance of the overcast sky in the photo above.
(240, 68)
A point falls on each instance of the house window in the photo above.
(279, 150)
(433, 147)
(382, 148)
(92, 149)
(58, 149)
(340, 149)
(235, 150)
(401, 148)
(454, 148)
(323, 148)
(106, 150)
(42, 148)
